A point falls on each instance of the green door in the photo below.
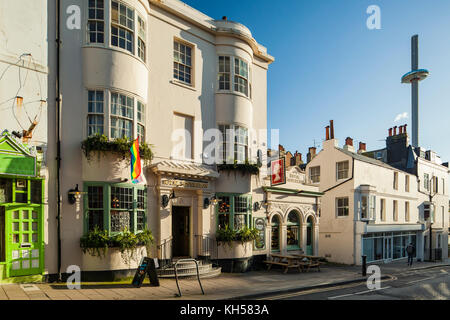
(309, 240)
(24, 240)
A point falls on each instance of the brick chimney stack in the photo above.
(349, 141)
(331, 129)
(362, 147)
(349, 145)
(311, 154)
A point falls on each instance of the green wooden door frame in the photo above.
(21, 220)
(248, 215)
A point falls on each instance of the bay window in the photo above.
(224, 73)
(141, 38)
(241, 76)
(367, 207)
(141, 121)
(95, 112)
(238, 137)
(115, 207)
(122, 26)
(122, 108)
(96, 23)
(234, 211)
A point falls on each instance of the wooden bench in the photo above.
(277, 259)
(308, 262)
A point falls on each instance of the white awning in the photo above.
(184, 169)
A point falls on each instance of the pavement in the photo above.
(245, 286)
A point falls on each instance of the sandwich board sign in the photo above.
(147, 266)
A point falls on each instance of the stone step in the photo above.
(188, 269)
(214, 272)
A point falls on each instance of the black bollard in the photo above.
(364, 266)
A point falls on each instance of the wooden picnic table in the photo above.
(308, 261)
(286, 261)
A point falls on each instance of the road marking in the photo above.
(414, 281)
(312, 291)
(353, 294)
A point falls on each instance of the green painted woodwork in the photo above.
(24, 230)
(15, 158)
(248, 216)
(293, 191)
(107, 204)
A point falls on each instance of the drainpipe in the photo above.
(58, 133)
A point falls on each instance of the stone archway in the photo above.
(275, 233)
(310, 235)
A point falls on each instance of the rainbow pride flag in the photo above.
(136, 169)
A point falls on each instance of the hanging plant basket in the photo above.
(245, 168)
(120, 147)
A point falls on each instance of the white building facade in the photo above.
(369, 207)
(166, 73)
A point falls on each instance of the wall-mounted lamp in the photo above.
(206, 203)
(74, 195)
(165, 198)
(257, 205)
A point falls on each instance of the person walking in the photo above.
(410, 250)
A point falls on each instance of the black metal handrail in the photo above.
(207, 247)
(176, 274)
(165, 249)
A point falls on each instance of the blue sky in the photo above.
(329, 65)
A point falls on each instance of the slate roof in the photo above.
(366, 159)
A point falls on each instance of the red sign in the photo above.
(278, 172)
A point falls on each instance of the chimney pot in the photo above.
(395, 130)
(362, 146)
(224, 18)
(400, 130)
(327, 133)
(349, 141)
(331, 129)
(404, 128)
(390, 132)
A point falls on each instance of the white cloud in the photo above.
(401, 116)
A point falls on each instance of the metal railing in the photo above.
(176, 274)
(207, 248)
(165, 250)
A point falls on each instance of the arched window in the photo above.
(309, 236)
(275, 246)
(293, 231)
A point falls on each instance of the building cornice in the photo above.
(215, 27)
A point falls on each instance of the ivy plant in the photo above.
(97, 242)
(119, 146)
(228, 236)
(245, 168)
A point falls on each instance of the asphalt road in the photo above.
(426, 284)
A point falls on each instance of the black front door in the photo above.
(180, 231)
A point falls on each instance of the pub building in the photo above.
(293, 215)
